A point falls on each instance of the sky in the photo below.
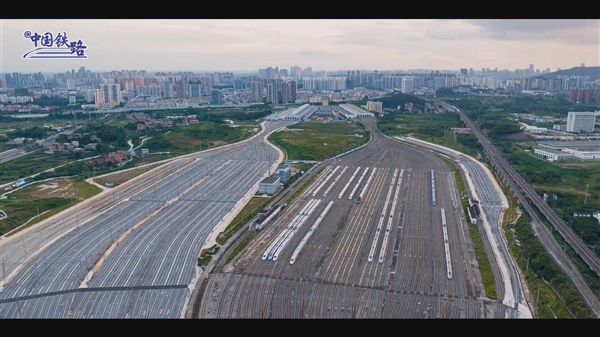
(247, 45)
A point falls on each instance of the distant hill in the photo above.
(593, 72)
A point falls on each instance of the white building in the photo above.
(269, 185)
(553, 155)
(351, 111)
(70, 84)
(597, 216)
(581, 122)
(535, 129)
(582, 149)
(324, 83)
(407, 85)
(584, 154)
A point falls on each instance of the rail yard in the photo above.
(380, 234)
(134, 254)
(528, 198)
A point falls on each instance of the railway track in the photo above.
(523, 191)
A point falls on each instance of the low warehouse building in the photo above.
(553, 155)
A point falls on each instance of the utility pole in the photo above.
(586, 191)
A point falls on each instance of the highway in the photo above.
(138, 258)
(528, 198)
(331, 276)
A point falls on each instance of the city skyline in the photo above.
(247, 45)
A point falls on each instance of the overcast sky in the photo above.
(246, 45)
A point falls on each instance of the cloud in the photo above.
(569, 31)
(314, 53)
(386, 36)
(322, 44)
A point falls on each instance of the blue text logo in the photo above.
(49, 46)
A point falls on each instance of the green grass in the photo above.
(569, 184)
(33, 163)
(549, 303)
(193, 138)
(252, 208)
(204, 260)
(22, 208)
(206, 255)
(485, 267)
(318, 140)
(121, 123)
(434, 128)
(548, 176)
(245, 241)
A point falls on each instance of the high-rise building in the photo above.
(407, 85)
(149, 90)
(324, 83)
(217, 98)
(89, 95)
(166, 89)
(239, 84)
(375, 106)
(272, 93)
(195, 90)
(71, 84)
(581, 122)
(112, 94)
(439, 82)
(296, 72)
(262, 73)
(271, 73)
(139, 81)
(129, 86)
(99, 98)
(182, 89)
(256, 92)
(293, 91)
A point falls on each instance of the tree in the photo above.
(102, 148)
(131, 126)
(447, 92)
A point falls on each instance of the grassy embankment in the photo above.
(485, 268)
(49, 198)
(252, 208)
(122, 177)
(319, 141)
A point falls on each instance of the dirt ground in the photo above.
(60, 188)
